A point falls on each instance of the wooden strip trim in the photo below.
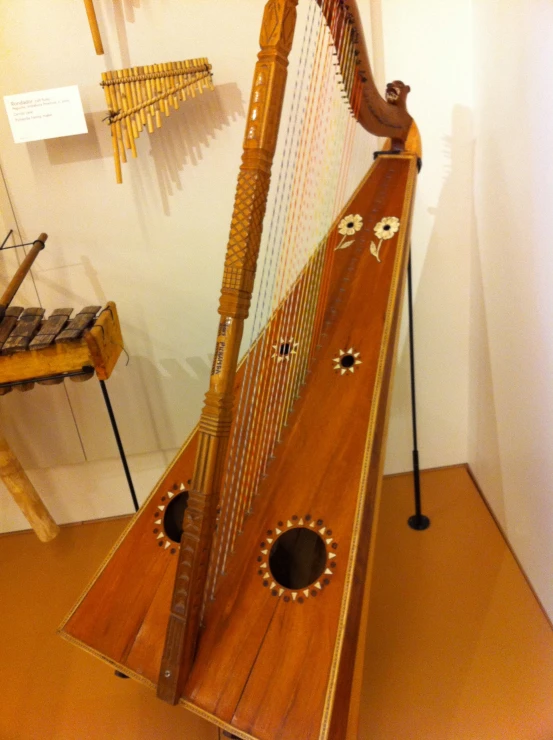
(362, 493)
(357, 682)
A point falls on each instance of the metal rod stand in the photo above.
(418, 521)
(119, 444)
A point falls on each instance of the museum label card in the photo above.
(45, 114)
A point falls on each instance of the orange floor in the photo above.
(458, 648)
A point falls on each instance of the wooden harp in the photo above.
(239, 588)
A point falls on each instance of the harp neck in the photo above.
(381, 117)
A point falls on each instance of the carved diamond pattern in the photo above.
(245, 232)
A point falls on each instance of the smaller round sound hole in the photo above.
(174, 515)
(347, 361)
(285, 349)
(297, 558)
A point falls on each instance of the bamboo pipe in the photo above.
(93, 23)
(115, 131)
(22, 270)
(25, 495)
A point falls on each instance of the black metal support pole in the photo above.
(10, 232)
(418, 520)
(119, 443)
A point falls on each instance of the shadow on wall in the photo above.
(79, 148)
(179, 143)
(158, 402)
(195, 122)
(185, 135)
(484, 452)
(156, 406)
(123, 12)
(442, 331)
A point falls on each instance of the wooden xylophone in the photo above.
(46, 351)
(38, 350)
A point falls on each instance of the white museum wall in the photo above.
(428, 45)
(511, 348)
(155, 244)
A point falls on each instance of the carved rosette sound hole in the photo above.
(297, 559)
(168, 517)
(284, 350)
(346, 361)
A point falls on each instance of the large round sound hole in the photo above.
(297, 558)
(174, 515)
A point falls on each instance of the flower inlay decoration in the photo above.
(346, 361)
(384, 230)
(349, 226)
(284, 349)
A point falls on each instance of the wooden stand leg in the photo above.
(25, 495)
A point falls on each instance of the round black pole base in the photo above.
(418, 522)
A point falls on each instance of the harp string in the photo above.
(295, 308)
(299, 217)
(249, 395)
(304, 317)
(310, 191)
(298, 237)
(250, 463)
(287, 318)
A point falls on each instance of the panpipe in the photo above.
(138, 97)
(240, 590)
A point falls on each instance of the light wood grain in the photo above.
(24, 494)
(94, 29)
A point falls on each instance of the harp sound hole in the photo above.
(284, 350)
(297, 558)
(174, 514)
(347, 361)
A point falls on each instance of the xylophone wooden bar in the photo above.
(83, 346)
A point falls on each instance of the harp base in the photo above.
(418, 522)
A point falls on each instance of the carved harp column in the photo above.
(241, 260)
